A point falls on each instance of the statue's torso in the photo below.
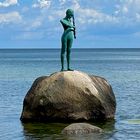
(68, 34)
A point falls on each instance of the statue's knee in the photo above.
(62, 54)
(68, 52)
(68, 55)
(63, 51)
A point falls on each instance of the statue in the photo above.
(67, 37)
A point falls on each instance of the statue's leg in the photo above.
(69, 45)
(63, 49)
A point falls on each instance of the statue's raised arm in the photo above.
(66, 23)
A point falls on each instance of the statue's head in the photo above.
(69, 13)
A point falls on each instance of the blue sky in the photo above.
(100, 23)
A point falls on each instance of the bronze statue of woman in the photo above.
(67, 37)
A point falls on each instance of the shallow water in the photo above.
(19, 68)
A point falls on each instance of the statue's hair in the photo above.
(69, 11)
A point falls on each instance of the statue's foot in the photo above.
(70, 69)
(62, 69)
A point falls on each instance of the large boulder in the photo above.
(81, 129)
(69, 96)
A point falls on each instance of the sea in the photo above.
(20, 67)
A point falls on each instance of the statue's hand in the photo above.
(74, 27)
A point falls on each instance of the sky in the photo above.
(99, 23)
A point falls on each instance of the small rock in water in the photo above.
(81, 129)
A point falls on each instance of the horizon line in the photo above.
(71, 48)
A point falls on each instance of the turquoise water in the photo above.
(19, 68)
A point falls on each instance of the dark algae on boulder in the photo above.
(69, 96)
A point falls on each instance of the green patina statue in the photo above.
(67, 37)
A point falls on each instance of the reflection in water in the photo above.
(42, 130)
(53, 131)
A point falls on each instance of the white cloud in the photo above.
(128, 8)
(56, 15)
(12, 17)
(42, 4)
(138, 16)
(126, 11)
(51, 18)
(36, 24)
(33, 24)
(8, 3)
(24, 9)
(91, 16)
(75, 5)
(62, 2)
(29, 36)
(84, 15)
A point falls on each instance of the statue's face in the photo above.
(69, 13)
